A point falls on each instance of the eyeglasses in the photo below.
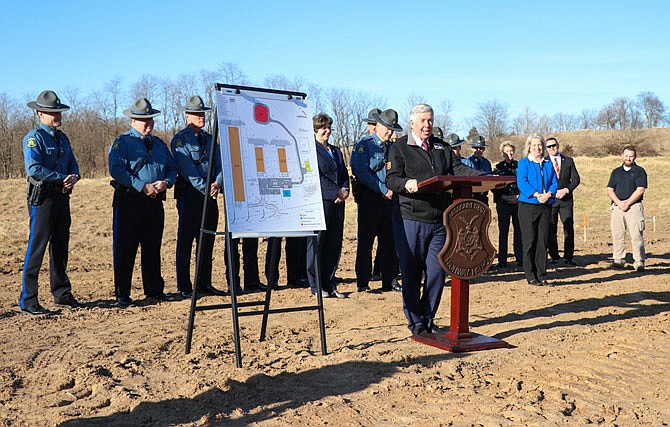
(551, 146)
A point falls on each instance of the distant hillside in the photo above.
(598, 143)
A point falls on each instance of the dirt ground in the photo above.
(593, 349)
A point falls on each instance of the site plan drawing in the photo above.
(270, 169)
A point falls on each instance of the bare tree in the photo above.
(347, 108)
(561, 122)
(652, 108)
(607, 117)
(525, 123)
(491, 119)
(145, 87)
(232, 74)
(443, 116)
(587, 119)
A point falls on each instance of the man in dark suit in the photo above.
(421, 235)
(568, 180)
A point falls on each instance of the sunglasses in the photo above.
(551, 146)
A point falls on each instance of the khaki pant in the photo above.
(633, 220)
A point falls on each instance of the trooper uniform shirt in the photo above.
(191, 153)
(481, 164)
(369, 164)
(134, 161)
(130, 150)
(48, 155)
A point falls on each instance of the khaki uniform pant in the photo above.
(633, 220)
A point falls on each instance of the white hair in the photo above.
(420, 109)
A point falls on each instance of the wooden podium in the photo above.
(467, 253)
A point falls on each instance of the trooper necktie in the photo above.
(558, 169)
(148, 142)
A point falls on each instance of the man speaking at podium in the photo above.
(412, 159)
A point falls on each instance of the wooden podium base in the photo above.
(472, 343)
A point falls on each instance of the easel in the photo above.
(231, 273)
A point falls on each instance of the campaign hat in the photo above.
(437, 132)
(195, 104)
(454, 140)
(141, 109)
(371, 119)
(389, 119)
(478, 141)
(48, 101)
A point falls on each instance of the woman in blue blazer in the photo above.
(334, 179)
(537, 184)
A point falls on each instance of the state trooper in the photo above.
(479, 162)
(52, 172)
(191, 147)
(456, 144)
(142, 169)
(375, 204)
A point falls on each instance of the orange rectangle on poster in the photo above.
(260, 160)
(281, 153)
(236, 163)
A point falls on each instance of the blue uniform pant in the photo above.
(189, 208)
(138, 220)
(296, 267)
(375, 219)
(329, 245)
(249, 260)
(419, 244)
(534, 233)
(507, 212)
(49, 223)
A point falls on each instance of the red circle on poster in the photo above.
(261, 113)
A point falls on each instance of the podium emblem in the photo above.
(467, 252)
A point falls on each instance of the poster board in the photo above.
(270, 167)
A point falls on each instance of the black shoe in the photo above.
(375, 277)
(185, 294)
(433, 328)
(336, 294)
(238, 290)
(69, 301)
(553, 261)
(395, 286)
(36, 310)
(254, 287)
(161, 297)
(124, 301)
(534, 282)
(210, 290)
(420, 330)
(570, 261)
(501, 265)
(544, 283)
(365, 288)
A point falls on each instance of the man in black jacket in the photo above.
(412, 159)
(568, 180)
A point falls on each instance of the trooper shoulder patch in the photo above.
(115, 146)
(179, 143)
(31, 143)
(388, 165)
(361, 148)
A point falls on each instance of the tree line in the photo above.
(96, 118)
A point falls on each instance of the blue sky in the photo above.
(552, 57)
